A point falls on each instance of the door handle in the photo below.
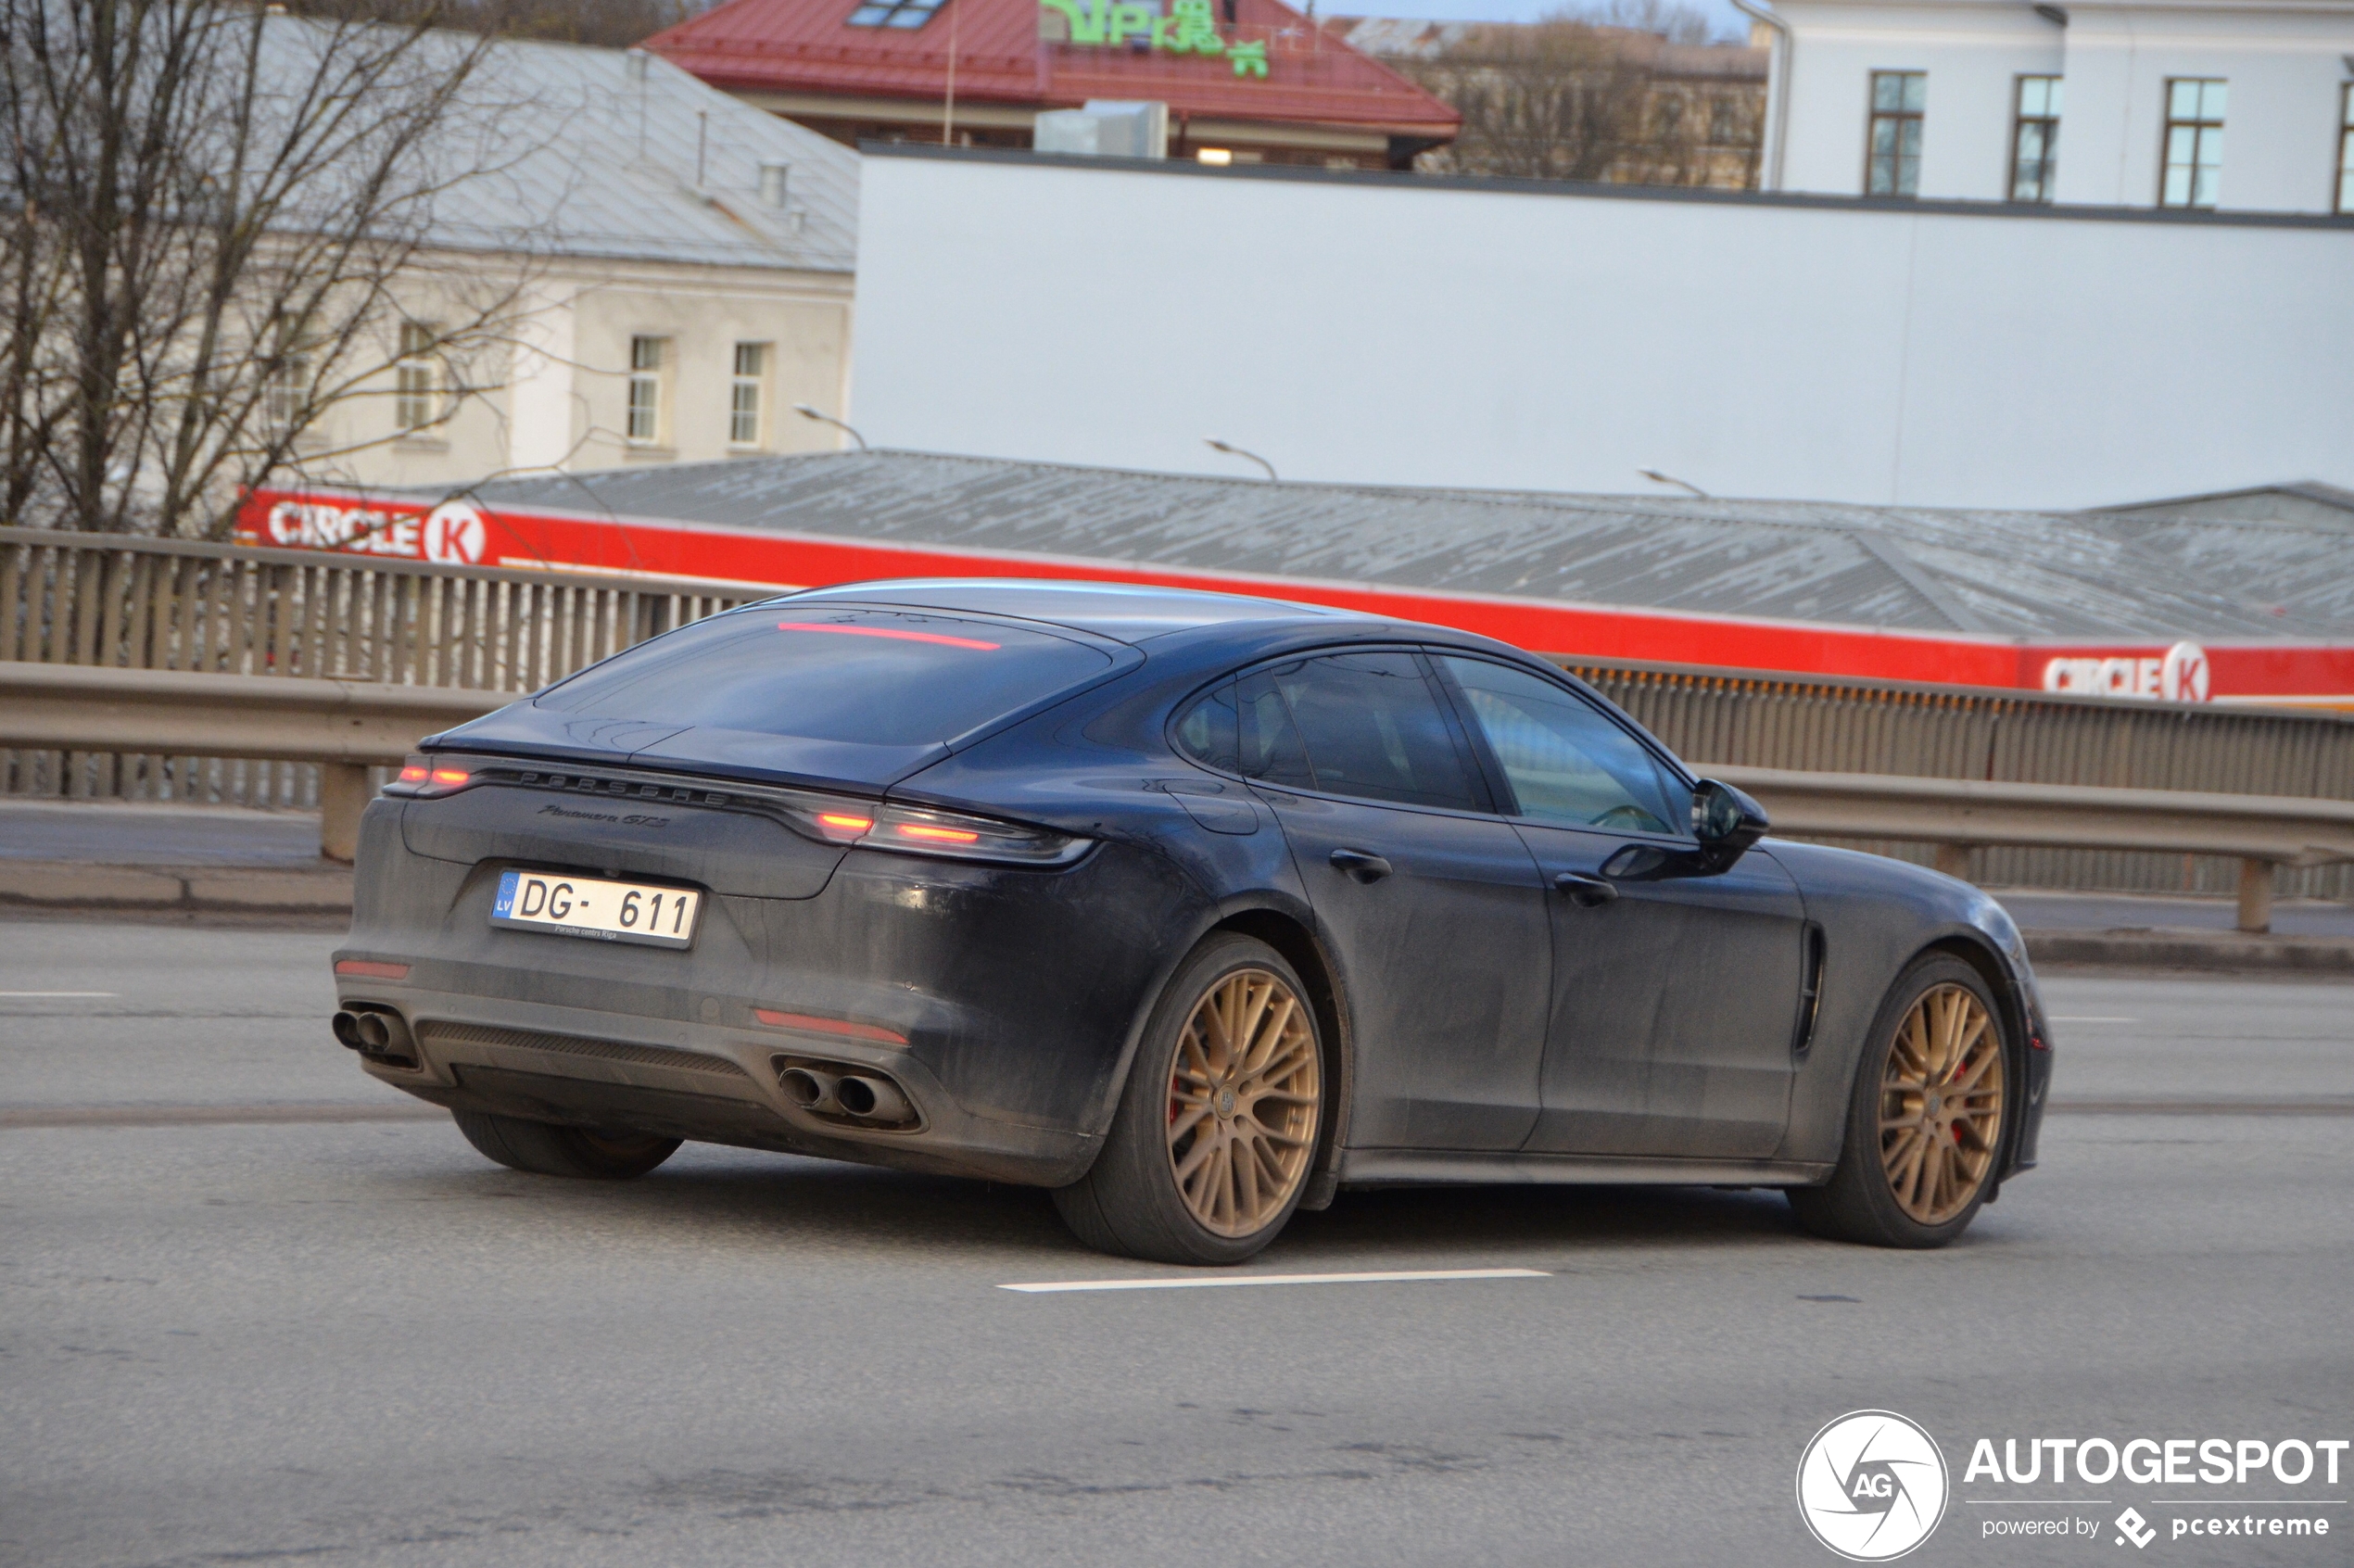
(1585, 892)
(1363, 865)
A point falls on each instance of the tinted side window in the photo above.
(1373, 728)
(885, 678)
(1565, 762)
(1206, 731)
(1270, 745)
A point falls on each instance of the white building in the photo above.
(1512, 334)
(2242, 105)
(667, 273)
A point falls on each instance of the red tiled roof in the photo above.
(808, 46)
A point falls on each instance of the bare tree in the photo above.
(212, 215)
(1553, 101)
(1582, 95)
(1664, 18)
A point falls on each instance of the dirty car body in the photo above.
(948, 841)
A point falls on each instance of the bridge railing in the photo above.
(122, 603)
(130, 603)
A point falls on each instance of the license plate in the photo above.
(595, 907)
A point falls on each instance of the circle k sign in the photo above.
(454, 535)
(2177, 675)
(1872, 1485)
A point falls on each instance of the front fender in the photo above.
(1878, 916)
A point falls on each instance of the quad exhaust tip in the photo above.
(378, 1034)
(809, 1089)
(829, 1091)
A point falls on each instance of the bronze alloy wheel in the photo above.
(1243, 1099)
(1941, 1113)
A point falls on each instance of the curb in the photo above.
(2211, 952)
(70, 885)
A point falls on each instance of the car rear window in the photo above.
(878, 676)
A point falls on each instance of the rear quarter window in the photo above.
(874, 677)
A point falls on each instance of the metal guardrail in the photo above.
(1837, 723)
(2260, 831)
(344, 727)
(137, 603)
(347, 726)
(127, 602)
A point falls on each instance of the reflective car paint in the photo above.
(1482, 1034)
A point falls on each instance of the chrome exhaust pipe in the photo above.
(810, 1090)
(346, 1027)
(375, 1035)
(874, 1099)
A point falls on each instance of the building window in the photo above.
(2193, 143)
(285, 395)
(1894, 163)
(2345, 149)
(646, 355)
(414, 377)
(2035, 138)
(744, 395)
(894, 13)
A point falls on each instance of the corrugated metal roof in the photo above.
(558, 149)
(2086, 576)
(808, 46)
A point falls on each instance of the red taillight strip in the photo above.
(369, 970)
(828, 1026)
(893, 633)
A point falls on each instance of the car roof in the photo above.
(1124, 611)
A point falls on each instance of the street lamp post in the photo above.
(805, 411)
(1231, 450)
(1656, 477)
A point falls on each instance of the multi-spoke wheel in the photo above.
(1925, 1124)
(1941, 1106)
(1217, 1128)
(1241, 1102)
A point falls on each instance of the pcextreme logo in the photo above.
(1871, 1485)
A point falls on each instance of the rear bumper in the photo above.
(1003, 1002)
(707, 1084)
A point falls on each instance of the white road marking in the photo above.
(1199, 1282)
(33, 993)
(2088, 1018)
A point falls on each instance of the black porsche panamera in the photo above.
(1192, 908)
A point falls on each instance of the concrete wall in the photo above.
(2285, 66)
(1389, 331)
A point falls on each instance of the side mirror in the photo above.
(1725, 822)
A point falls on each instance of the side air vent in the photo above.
(437, 1034)
(1810, 994)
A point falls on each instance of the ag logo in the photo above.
(1871, 1485)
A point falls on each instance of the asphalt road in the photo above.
(354, 1341)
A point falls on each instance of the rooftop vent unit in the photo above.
(774, 179)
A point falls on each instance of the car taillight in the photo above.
(428, 776)
(913, 830)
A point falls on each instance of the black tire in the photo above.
(1861, 1203)
(1130, 1202)
(545, 1149)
